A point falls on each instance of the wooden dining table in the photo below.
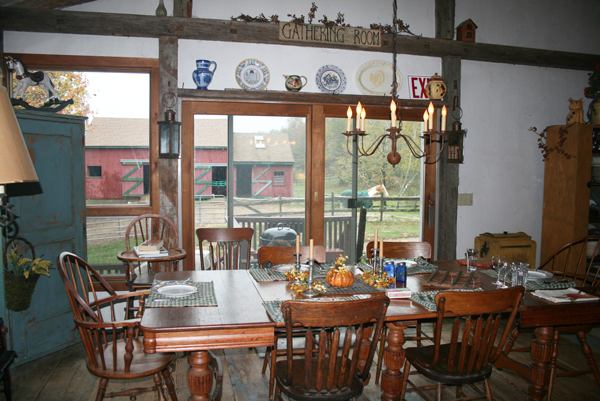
(241, 321)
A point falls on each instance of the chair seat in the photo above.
(141, 366)
(295, 390)
(424, 355)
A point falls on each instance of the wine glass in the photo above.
(502, 272)
(497, 262)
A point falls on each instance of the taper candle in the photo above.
(310, 250)
(349, 114)
(431, 111)
(363, 115)
(393, 114)
(444, 113)
(425, 119)
(297, 244)
(376, 239)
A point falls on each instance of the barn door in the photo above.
(52, 218)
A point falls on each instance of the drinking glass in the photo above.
(472, 258)
(502, 271)
(516, 272)
(497, 262)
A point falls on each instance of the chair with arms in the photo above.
(576, 261)
(114, 347)
(331, 373)
(149, 227)
(278, 255)
(473, 347)
(400, 250)
(225, 247)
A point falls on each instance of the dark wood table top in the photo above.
(174, 254)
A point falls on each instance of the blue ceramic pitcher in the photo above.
(203, 75)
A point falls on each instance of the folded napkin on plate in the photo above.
(485, 262)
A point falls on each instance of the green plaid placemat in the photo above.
(545, 284)
(204, 297)
(274, 307)
(422, 266)
(267, 275)
(357, 287)
(427, 298)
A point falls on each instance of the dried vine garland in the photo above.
(558, 148)
(339, 21)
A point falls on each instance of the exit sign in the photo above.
(416, 87)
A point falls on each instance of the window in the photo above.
(259, 142)
(278, 177)
(94, 171)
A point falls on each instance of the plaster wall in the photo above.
(503, 167)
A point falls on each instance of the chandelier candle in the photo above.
(349, 114)
(393, 114)
(431, 110)
(444, 113)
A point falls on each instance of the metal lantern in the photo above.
(169, 137)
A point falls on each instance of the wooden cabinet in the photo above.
(566, 191)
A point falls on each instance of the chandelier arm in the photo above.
(348, 148)
(414, 148)
(373, 147)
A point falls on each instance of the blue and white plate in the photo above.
(331, 79)
(252, 74)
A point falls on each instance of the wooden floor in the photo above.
(63, 376)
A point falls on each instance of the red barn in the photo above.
(117, 161)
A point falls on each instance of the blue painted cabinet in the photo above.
(52, 217)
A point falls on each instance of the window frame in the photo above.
(88, 175)
(112, 64)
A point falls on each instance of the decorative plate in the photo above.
(176, 290)
(375, 78)
(252, 74)
(331, 79)
(538, 275)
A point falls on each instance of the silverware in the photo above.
(469, 279)
(433, 273)
(444, 277)
(456, 278)
(159, 300)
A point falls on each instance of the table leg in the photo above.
(199, 375)
(541, 352)
(393, 358)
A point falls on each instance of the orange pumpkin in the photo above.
(340, 279)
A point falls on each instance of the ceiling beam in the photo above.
(86, 23)
(48, 4)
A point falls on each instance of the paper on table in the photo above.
(565, 295)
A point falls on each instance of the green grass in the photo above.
(105, 253)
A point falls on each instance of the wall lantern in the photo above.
(169, 137)
(456, 136)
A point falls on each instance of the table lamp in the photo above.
(15, 162)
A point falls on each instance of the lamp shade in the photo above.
(15, 161)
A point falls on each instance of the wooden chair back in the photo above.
(404, 250)
(477, 323)
(279, 255)
(225, 246)
(151, 226)
(112, 342)
(333, 369)
(576, 261)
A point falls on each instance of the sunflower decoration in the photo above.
(374, 280)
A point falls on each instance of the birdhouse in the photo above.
(466, 31)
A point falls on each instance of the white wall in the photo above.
(503, 167)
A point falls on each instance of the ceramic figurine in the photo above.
(25, 79)
(576, 113)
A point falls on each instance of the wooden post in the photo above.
(167, 82)
(444, 19)
(381, 208)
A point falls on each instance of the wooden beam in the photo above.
(31, 20)
(444, 19)
(182, 8)
(48, 4)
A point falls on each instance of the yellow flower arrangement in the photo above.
(374, 280)
(25, 267)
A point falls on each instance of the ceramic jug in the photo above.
(203, 75)
(435, 88)
(294, 82)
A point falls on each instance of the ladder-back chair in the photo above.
(468, 355)
(225, 247)
(400, 250)
(113, 344)
(332, 372)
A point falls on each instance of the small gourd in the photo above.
(339, 275)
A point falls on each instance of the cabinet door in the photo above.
(52, 218)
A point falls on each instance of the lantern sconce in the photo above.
(169, 131)
(456, 136)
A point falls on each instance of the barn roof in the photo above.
(107, 132)
(129, 132)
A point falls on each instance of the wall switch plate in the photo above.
(465, 200)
